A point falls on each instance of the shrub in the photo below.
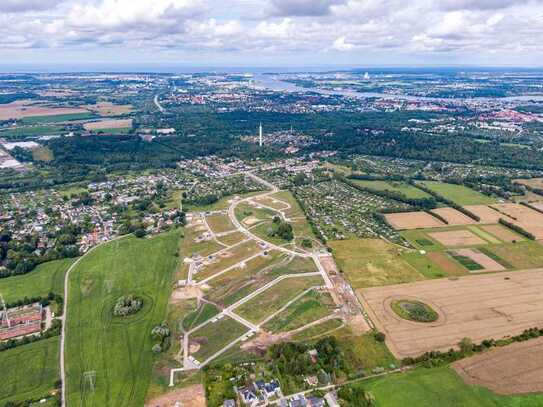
(127, 305)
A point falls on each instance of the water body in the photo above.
(276, 84)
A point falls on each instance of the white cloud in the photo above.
(341, 44)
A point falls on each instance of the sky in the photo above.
(268, 33)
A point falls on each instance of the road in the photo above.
(65, 319)
(158, 105)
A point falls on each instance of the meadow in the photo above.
(459, 194)
(56, 118)
(117, 349)
(409, 191)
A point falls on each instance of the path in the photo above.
(158, 105)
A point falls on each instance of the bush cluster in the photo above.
(127, 305)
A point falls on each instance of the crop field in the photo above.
(481, 261)
(372, 262)
(219, 223)
(29, 371)
(118, 349)
(209, 341)
(57, 118)
(409, 191)
(527, 218)
(457, 238)
(45, 278)
(514, 369)
(413, 220)
(26, 110)
(108, 124)
(271, 300)
(227, 258)
(340, 211)
(531, 182)
(453, 217)
(27, 131)
(309, 308)
(109, 109)
(521, 255)
(459, 194)
(478, 307)
(438, 387)
(486, 213)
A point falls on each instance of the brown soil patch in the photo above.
(537, 205)
(194, 347)
(514, 369)
(192, 396)
(477, 307)
(263, 341)
(108, 124)
(527, 218)
(185, 293)
(21, 109)
(482, 259)
(446, 264)
(413, 220)
(455, 238)
(251, 220)
(502, 233)
(486, 213)
(453, 216)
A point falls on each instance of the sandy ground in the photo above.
(413, 220)
(453, 216)
(486, 213)
(250, 221)
(109, 124)
(482, 259)
(514, 369)
(477, 306)
(455, 238)
(501, 233)
(192, 396)
(21, 109)
(528, 219)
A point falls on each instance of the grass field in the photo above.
(221, 204)
(311, 307)
(459, 194)
(232, 238)
(117, 349)
(424, 265)
(199, 316)
(294, 211)
(271, 300)
(219, 223)
(121, 130)
(56, 118)
(365, 352)
(31, 131)
(41, 281)
(29, 371)
(409, 191)
(319, 330)
(521, 255)
(214, 336)
(438, 387)
(372, 262)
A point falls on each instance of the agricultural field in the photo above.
(29, 371)
(45, 278)
(29, 131)
(340, 211)
(409, 191)
(459, 194)
(413, 220)
(109, 109)
(105, 125)
(438, 387)
(33, 113)
(57, 118)
(118, 349)
(527, 218)
(372, 262)
(478, 307)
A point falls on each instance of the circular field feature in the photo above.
(413, 310)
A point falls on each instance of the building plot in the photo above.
(477, 307)
(413, 220)
(453, 217)
(219, 223)
(514, 369)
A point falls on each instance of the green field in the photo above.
(459, 194)
(118, 349)
(311, 307)
(521, 255)
(29, 371)
(409, 191)
(57, 118)
(318, 331)
(31, 131)
(372, 262)
(438, 387)
(219, 223)
(214, 336)
(47, 277)
(116, 130)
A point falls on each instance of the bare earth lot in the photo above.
(192, 396)
(455, 238)
(453, 216)
(515, 369)
(21, 109)
(413, 220)
(478, 307)
(109, 124)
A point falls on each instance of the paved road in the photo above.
(158, 105)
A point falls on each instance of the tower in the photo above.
(4, 316)
(260, 135)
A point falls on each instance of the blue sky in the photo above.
(272, 32)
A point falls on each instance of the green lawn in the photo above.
(423, 265)
(29, 371)
(409, 191)
(459, 194)
(215, 336)
(438, 387)
(57, 118)
(41, 281)
(117, 349)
